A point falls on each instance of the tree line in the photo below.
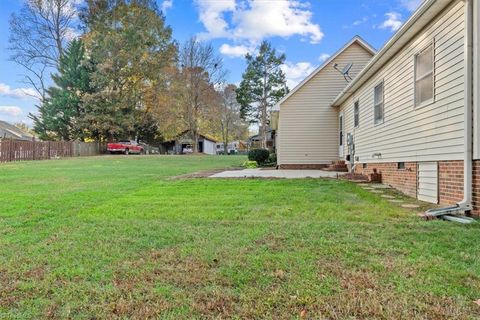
(111, 70)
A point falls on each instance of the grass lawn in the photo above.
(118, 237)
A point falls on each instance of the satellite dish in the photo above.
(345, 71)
(347, 68)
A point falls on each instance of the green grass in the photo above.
(118, 237)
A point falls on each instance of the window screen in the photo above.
(424, 76)
(341, 130)
(378, 103)
(356, 114)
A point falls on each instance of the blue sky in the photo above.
(306, 31)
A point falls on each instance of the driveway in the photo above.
(272, 173)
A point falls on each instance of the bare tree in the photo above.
(201, 71)
(38, 35)
(230, 123)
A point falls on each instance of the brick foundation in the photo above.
(404, 180)
(450, 180)
(476, 188)
(303, 166)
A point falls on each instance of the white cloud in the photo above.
(166, 5)
(11, 110)
(296, 72)
(19, 93)
(360, 21)
(393, 21)
(212, 15)
(323, 57)
(234, 51)
(411, 5)
(254, 20)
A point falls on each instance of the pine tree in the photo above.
(130, 45)
(61, 112)
(262, 86)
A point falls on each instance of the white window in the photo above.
(378, 103)
(424, 76)
(356, 114)
(341, 130)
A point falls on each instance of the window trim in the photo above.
(341, 134)
(357, 114)
(375, 123)
(432, 100)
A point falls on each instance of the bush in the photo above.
(258, 155)
(272, 158)
(250, 164)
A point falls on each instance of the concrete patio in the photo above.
(272, 173)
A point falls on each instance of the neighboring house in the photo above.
(255, 141)
(9, 131)
(182, 144)
(232, 147)
(413, 112)
(307, 124)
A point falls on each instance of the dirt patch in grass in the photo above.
(273, 243)
(186, 279)
(362, 294)
(8, 289)
(11, 291)
(203, 174)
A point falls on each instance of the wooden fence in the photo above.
(16, 150)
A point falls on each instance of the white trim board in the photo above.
(356, 39)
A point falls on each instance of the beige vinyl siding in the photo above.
(429, 132)
(308, 125)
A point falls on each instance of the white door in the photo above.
(340, 135)
(428, 182)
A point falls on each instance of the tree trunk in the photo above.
(195, 141)
(225, 143)
(263, 130)
(264, 111)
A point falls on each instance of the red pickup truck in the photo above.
(124, 146)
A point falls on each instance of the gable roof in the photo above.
(357, 39)
(183, 133)
(8, 130)
(420, 18)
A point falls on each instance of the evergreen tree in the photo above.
(262, 86)
(131, 46)
(61, 112)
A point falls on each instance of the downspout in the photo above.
(466, 203)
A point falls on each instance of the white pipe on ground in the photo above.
(466, 203)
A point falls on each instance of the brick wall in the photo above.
(476, 188)
(404, 180)
(450, 181)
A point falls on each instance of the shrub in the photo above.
(250, 164)
(258, 155)
(272, 158)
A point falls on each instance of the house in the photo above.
(412, 113)
(182, 144)
(255, 141)
(9, 131)
(232, 147)
(307, 124)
